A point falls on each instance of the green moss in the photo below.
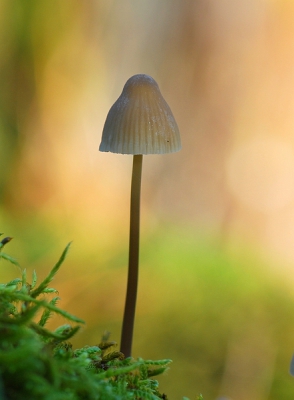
(36, 363)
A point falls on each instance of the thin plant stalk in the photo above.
(133, 270)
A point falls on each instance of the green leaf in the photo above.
(64, 334)
(42, 303)
(24, 277)
(156, 362)
(50, 290)
(47, 313)
(9, 258)
(118, 371)
(43, 285)
(34, 279)
(14, 282)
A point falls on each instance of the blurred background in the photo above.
(217, 243)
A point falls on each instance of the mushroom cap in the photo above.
(140, 121)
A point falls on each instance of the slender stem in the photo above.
(130, 305)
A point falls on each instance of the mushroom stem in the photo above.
(130, 304)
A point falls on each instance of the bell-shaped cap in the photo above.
(140, 121)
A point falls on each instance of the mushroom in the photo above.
(139, 122)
